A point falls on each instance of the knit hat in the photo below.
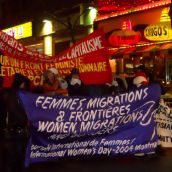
(75, 71)
(140, 79)
(54, 70)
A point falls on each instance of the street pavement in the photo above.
(12, 155)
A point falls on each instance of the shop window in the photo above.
(169, 70)
(40, 50)
(129, 65)
(148, 62)
(159, 68)
(152, 65)
(36, 47)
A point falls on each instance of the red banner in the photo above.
(11, 47)
(89, 55)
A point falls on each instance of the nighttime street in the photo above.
(86, 86)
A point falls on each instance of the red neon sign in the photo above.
(126, 36)
(126, 25)
(117, 40)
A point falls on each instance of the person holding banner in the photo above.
(140, 79)
(52, 83)
(17, 118)
(75, 85)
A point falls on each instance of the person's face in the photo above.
(75, 76)
(51, 77)
(22, 85)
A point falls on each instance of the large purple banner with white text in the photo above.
(91, 126)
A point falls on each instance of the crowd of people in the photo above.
(12, 115)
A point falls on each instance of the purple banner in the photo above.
(91, 126)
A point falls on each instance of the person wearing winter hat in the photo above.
(75, 77)
(140, 79)
(52, 84)
(63, 84)
(54, 70)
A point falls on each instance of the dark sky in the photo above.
(0, 7)
(48, 5)
(21, 10)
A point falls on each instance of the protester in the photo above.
(144, 76)
(140, 79)
(17, 118)
(16, 131)
(53, 84)
(75, 85)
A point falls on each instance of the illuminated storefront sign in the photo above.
(20, 31)
(116, 40)
(158, 32)
(161, 31)
(126, 36)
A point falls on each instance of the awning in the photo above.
(129, 50)
(166, 46)
(149, 48)
(112, 51)
(146, 50)
(125, 52)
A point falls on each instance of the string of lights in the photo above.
(113, 8)
(125, 4)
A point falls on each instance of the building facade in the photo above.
(54, 26)
(139, 33)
